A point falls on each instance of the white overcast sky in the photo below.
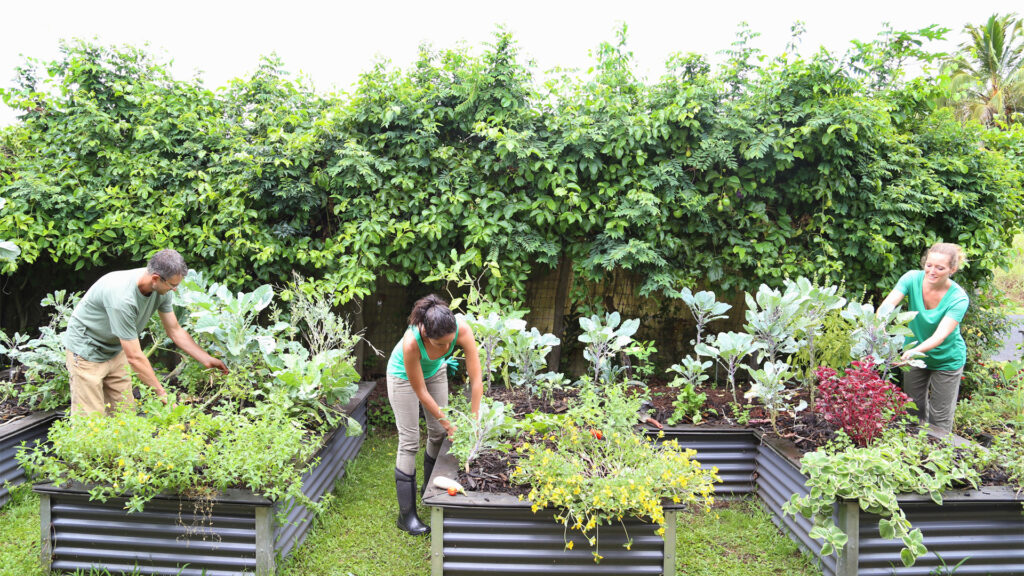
(333, 42)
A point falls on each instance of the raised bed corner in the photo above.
(30, 430)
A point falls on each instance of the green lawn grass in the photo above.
(357, 535)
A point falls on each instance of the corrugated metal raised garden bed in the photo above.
(499, 535)
(985, 527)
(29, 430)
(237, 534)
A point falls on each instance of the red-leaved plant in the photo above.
(860, 403)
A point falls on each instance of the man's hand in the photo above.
(211, 362)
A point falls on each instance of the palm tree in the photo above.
(988, 73)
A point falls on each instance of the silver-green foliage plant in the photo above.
(816, 303)
(311, 313)
(526, 353)
(604, 339)
(880, 335)
(873, 476)
(474, 435)
(769, 387)
(41, 359)
(729, 349)
(491, 333)
(704, 308)
(772, 318)
(692, 372)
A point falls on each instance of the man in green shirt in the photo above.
(102, 338)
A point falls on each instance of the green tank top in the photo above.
(396, 364)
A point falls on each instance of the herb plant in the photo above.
(688, 403)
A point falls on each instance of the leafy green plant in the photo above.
(769, 387)
(228, 319)
(729, 349)
(474, 435)
(604, 339)
(616, 406)
(526, 354)
(42, 359)
(873, 476)
(9, 251)
(688, 403)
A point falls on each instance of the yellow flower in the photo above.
(120, 461)
(569, 545)
(145, 448)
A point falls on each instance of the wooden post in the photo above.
(849, 522)
(669, 567)
(265, 541)
(46, 549)
(436, 541)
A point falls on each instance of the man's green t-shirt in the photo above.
(112, 310)
(951, 354)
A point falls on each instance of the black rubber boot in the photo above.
(428, 469)
(405, 487)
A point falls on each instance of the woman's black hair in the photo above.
(433, 316)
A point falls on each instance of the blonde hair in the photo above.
(955, 253)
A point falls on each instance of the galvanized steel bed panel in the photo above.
(168, 535)
(31, 430)
(989, 535)
(334, 457)
(513, 541)
(733, 452)
(777, 481)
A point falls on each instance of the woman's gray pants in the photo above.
(934, 392)
(406, 405)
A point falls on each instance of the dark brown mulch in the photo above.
(9, 411)
(489, 473)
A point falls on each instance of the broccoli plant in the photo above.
(769, 386)
(228, 320)
(491, 333)
(688, 403)
(729, 349)
(526, 354)
(880, 336)
(604, 340)
(474, 435)
(704, 309)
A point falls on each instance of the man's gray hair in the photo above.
(167, 264)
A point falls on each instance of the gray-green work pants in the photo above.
(934, 392)
(406, 405)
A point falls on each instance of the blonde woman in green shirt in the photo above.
(418, 375)
(940, 304)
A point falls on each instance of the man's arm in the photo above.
(182, 340)
(140, 365)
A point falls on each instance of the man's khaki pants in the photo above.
(99, 386)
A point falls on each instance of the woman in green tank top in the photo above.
(417, 375)
(940, 304)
